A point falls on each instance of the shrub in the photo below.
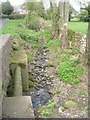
(71, 35)
(17, 16)
(30, 36)
(33, 25)
(3, 16)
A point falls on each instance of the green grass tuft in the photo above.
(53, 43)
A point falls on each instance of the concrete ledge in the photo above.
(5, 46)
(17, 107)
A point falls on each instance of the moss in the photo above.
(18, 57)
(49, 64)
(31, 84)
(70, 104)
(29, 56)
(15, 48)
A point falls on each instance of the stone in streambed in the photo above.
(70, 104)
(49, 64)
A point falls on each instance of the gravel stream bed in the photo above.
(48, 86)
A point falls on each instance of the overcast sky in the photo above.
(19, 2)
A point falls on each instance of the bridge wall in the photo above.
(5, 49)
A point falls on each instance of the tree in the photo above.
(35, 14)
(7, 8)
(36, 7)
(48, 14)
(83, 15)
(71, 12)
(64, 12)
(59, 16)
(55, 19)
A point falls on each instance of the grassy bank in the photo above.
(11, 27)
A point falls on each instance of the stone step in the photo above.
(17, 107)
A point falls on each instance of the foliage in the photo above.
(83, 16)
(3, 16)
(68, 70)
(53, 43)
(33, 21)
(46, 34)
(71, 12)
(16, 16)
(35, 11)
(71, 35)
(48, 14)
(48, 108)
(14, 27)
(7, 8)
(74, 51)
(29, 55)
(36, 7)
(30, 36)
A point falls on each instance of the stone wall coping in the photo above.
(3, 39)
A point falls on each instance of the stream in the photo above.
(40, 93)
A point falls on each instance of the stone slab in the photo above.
(17, 107)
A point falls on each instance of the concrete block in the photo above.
(18, 82)
(20, 58)
(17, 107)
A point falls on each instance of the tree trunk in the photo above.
(88, 47)
(88, 51)
(54, 18)
(64, 12)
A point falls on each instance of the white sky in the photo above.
(19, 2)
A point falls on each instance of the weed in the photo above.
(29, 56)
(68, 70)
(74, 51)
(53, 43)
(48, 108)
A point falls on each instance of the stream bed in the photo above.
(40, 92)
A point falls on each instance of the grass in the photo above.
(14, 27)
(78, 26)
(11, 27)
(53, 43)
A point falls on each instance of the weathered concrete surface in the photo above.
(18, 82)
(17, 107)
(0, 84)
(5, 47)
(20, 58)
